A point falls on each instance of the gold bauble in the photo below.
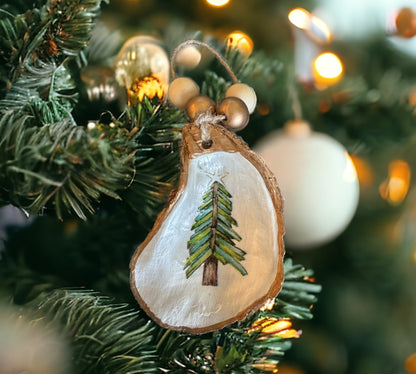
(198, 105)
(235, 111)
(141, 57)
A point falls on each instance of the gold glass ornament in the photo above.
(142, 66)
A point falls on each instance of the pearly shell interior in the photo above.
(157, 268)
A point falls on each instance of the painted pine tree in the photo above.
(213, 237)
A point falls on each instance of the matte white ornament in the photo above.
(318, 182)
(181, 90)
(244, 93)
(179, 300)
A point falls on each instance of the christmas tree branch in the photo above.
(108, 336)
(104, 336)
(63, 162)
(45, 158)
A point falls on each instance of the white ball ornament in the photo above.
(181, 90)
(318, 182)
(244, 93)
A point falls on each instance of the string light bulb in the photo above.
(315, 27)
(327, 69)
(395, 188)
(281, 327)
(299, 17)
(218, 3)
(142, 67)
(241, 41)
(311, 34)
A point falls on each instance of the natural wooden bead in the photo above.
(235, 111)
(199, 104)
(188, 57)
(181, 90)
(245, 93)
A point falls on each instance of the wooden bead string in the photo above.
(206, 119)
(186, 43)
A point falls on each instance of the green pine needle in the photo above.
(105, 337)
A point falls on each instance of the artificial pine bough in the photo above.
(49, 160)
(114, 338)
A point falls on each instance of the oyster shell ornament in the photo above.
(215, 253)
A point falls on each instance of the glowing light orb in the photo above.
(327, 69)
(395, 188)
(300, 18)
(240, 41)
(218, 2)
(315, 27)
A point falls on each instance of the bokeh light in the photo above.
(395, 188)
(218, 2)
(241, 41)
(327, 69)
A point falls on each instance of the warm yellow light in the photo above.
(328, 65)
(395, 188)
(363, 169)
(321, 29)
(327, 69)
(266, 367)
(217, 2)
(274, 326)
(300, 18)
(410, 364)
(240, 41)
(316, 28)
(271, 326)
(286, 369)
(148, 86)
